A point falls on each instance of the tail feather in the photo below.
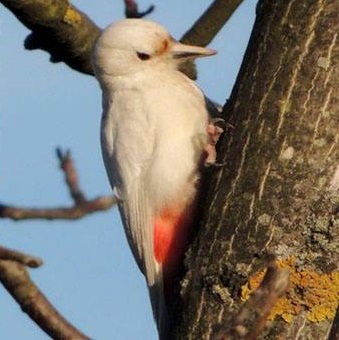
(160, 308)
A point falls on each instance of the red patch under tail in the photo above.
(171, 234)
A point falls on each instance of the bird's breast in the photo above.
(158, 134)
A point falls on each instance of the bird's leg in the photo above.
(214, 132)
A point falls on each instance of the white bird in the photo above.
(154, 136)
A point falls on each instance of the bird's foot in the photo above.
(214, 132)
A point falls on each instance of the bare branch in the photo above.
(58, 28)
(211, 22)
(131, 10)
(14, 255)
(251, 319)
(17, 282)
(81, 208)
(207, 27)
(71, 177)
(76, 212)
(69, 35)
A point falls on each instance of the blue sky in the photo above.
(88, 271)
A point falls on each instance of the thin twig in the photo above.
(71, 176)
(14, 255)
(131, 10)
(16, 280)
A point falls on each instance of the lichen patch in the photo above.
(315, 293)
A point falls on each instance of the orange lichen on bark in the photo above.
(72, 16)
(316, 293)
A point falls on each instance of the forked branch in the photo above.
(82, 206)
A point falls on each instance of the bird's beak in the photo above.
(182, 51)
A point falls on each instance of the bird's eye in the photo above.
(143, 56)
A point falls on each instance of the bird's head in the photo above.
(133, 45)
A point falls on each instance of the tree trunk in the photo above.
(278, 192)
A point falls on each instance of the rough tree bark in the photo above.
(278, 192)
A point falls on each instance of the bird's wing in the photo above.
(129, 145)
(135, 212)
(138, 222)
(127, 138)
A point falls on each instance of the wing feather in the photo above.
(140, 237)
(127, 143)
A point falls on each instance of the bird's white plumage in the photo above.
(153, 132)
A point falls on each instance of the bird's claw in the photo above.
(214, 132)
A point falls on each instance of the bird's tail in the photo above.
(172, 231)
(160, 310)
